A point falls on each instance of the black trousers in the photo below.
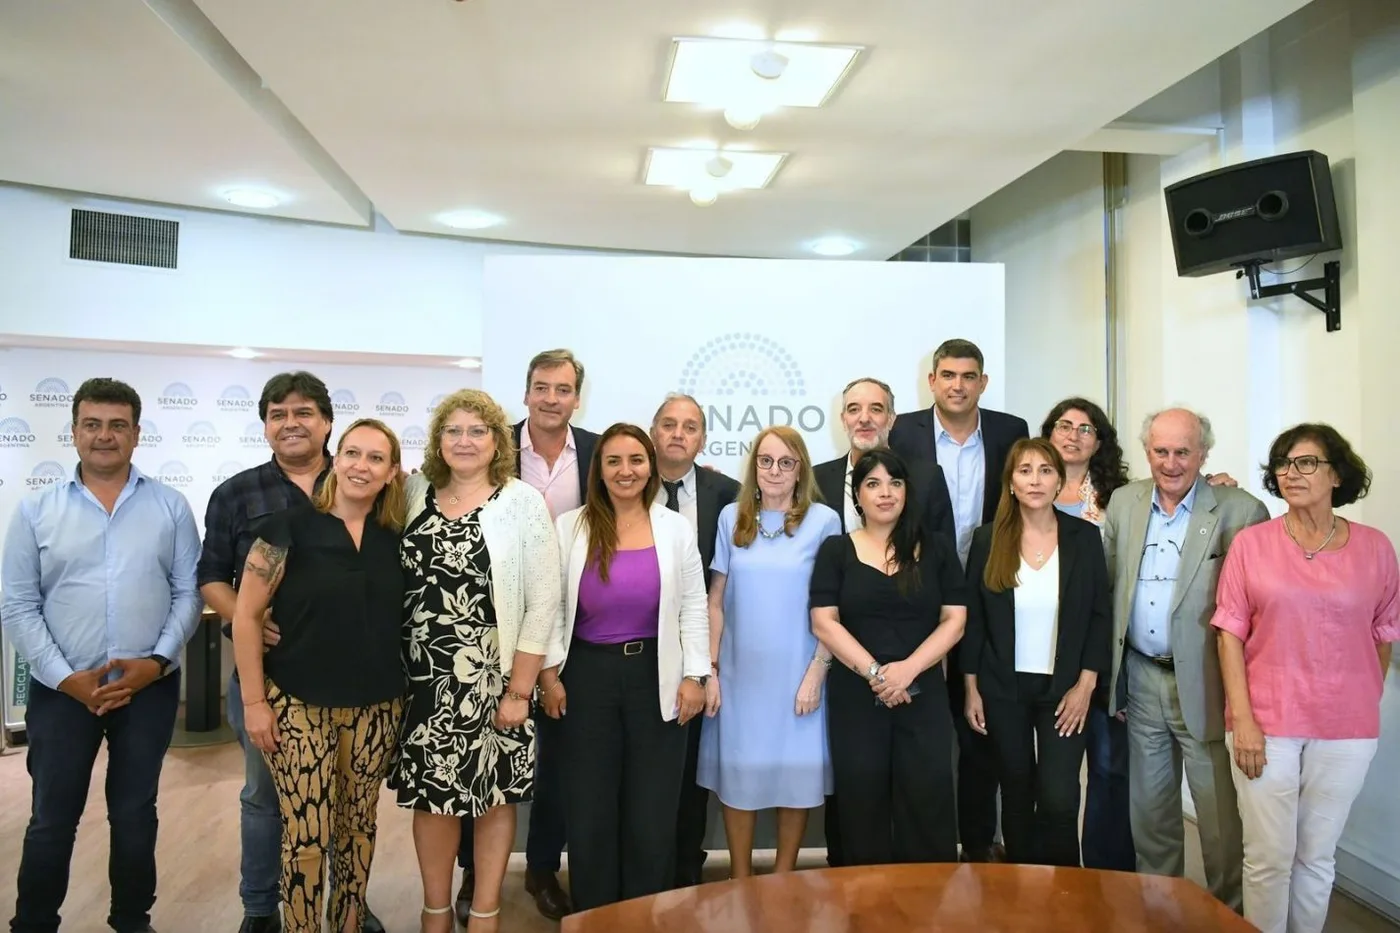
(1039, 775)
(545, 838)
(893, 770)
(694, 811)
(622, 783)
(64, 739)
(977, 775)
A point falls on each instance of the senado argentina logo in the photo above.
(343, 402)
(51, 393)
(236, 398)
(391, 404)
(177, 397)
(200, 434)
(46, 474)
(14, 432)
(65, 436)
(252, 436)
(413, 438)
(748, 382)
(226, 470)
(174, 473)
(437, 400)
(150, 434)
(3, 396)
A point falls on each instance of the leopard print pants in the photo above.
(328, 767)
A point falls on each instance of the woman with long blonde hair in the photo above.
(764, 745)
(323, 704)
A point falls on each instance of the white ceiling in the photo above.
(542, 111)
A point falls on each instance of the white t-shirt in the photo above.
(1037, 615)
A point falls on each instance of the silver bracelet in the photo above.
(824, 662)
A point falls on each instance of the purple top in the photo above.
(626, 607)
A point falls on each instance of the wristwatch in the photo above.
(701, 680)
(163, 661)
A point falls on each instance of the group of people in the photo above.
(601, 626)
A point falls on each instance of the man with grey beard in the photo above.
(867, 414)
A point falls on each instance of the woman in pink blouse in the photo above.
(1306, 610)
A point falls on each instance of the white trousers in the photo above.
(1293, 815)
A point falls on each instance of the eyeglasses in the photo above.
(1069, 427)
(785, 464)
(1154, 556)
(1307, 464)
(476, 432)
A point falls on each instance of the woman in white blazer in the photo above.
(630, 664)
(481, 567)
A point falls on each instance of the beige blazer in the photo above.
(1217, 515)
(683, 622)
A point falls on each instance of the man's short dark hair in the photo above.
(108, 392)
(301, 383)
(958, 349)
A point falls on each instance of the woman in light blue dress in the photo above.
(764, 745)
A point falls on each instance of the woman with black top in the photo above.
(1038, 631)
(888, 603)
(323, 704)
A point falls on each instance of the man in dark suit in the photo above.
(553, 456)
(971, 444)
(867, 412)
(678, 431)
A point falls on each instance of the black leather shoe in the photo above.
(549, 897)
(271, 924)
(463, 903)
(994, 853)
(371, 923)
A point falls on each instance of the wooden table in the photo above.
(943, 898)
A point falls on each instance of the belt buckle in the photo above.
(632, 647)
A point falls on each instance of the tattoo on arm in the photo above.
(266, 561)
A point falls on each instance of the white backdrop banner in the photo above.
(199, 424)
(757, 342)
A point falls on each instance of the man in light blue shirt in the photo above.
(98, 575)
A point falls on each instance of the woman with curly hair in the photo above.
(1306, 610)
(482, 585)
(1094, 464)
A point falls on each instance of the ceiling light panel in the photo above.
(720, 72)
(684, 168)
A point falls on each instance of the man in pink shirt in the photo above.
(553, 456)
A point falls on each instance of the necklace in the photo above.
(454, 499)
(1321, 547)
(769, 535)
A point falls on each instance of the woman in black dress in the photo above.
(482, 600)
(888, 602)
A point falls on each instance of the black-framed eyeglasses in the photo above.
(1306, 464)
(785, 464)
(1069, 427)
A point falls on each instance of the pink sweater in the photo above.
(1310, 629)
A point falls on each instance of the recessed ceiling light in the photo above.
(703, 195)
(729, 72)
(244, 353)
(690, 168)
(833, 246)
(742, 117)
(469, 220)
(470, 362)
(251, 198)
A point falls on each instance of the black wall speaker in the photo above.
(1267, 210)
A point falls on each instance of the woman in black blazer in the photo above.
(1039, 626)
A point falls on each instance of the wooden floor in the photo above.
(198, 856)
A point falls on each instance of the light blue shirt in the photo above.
(965, 470)
(1150, 625)
(82, 587)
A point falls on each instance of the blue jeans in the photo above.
(64, 738)
(1108, 831)
(260, 822)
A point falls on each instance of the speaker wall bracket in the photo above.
(1330, 284)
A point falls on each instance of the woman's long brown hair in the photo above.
(746, 523)
(1004, 559)
(599, 516)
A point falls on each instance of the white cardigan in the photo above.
(683, 625)
(524, 555)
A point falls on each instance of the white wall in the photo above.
(243, 281)
(1047, 228)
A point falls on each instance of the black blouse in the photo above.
(340, 610)
(888, 623)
